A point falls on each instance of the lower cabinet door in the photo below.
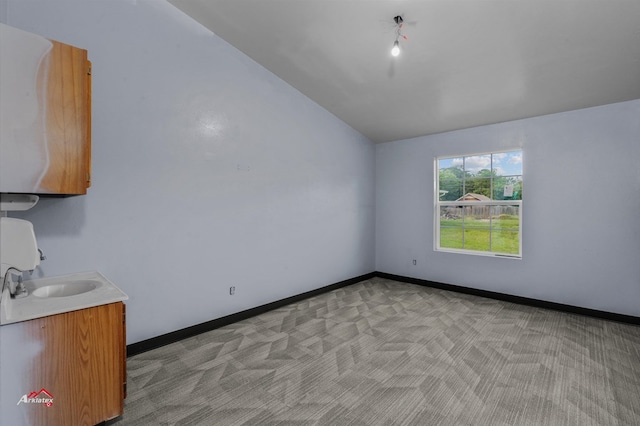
(77, 378)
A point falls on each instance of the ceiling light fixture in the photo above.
(395, 50)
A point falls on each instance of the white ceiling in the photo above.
(465, 63)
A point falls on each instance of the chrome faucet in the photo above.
(19, 291)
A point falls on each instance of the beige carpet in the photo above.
(382, 352)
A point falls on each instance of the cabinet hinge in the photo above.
(89, 70)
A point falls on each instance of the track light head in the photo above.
(395, 50)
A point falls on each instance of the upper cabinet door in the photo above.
(45, 115)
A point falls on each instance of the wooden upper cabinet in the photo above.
(45, 115)
(68, 121)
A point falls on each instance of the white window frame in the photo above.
(438, 204)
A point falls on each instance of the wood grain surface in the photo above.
(81, 365)
(67, 120)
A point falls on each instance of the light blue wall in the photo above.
(208, 172)
(581, 232)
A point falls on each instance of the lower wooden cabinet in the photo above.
(81, 367)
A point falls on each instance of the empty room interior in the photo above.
(358, 212)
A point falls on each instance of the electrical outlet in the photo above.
(232, 290)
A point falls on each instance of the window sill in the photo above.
(479, 253)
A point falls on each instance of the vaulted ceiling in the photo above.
(464, 63)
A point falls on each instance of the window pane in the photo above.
(507, 163)
(450, 237)
(477, 216)
(505, 217)
(453, 162)
(507, 188)
(505, 241)
(450, 189)
(476, 239)
(477, 189)
(474, 164)
(450, 216)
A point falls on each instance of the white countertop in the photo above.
(32, 306)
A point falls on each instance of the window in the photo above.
(478, 206)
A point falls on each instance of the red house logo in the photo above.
(40, 397)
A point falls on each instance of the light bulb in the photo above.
(395, 51)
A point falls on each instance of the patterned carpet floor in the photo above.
(382, 352)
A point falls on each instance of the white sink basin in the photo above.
(57, 295)
(66, 289)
